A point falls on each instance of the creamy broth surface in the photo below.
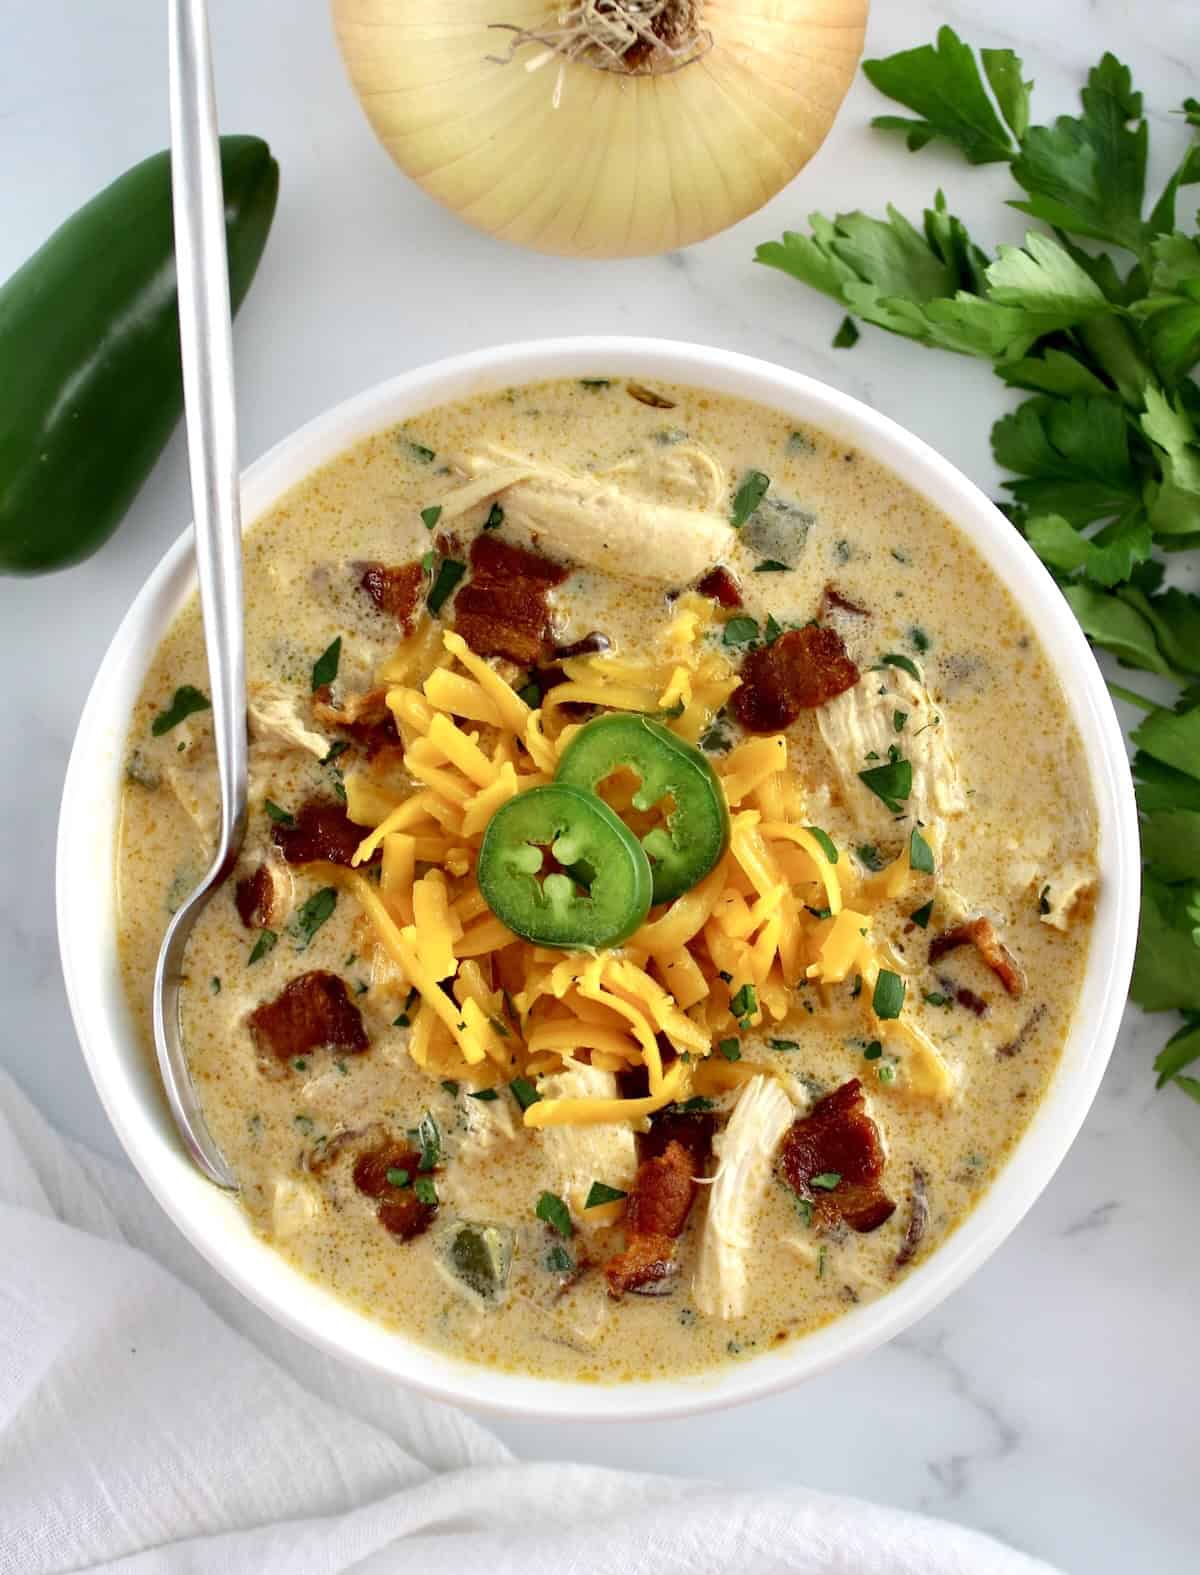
(1019, 848)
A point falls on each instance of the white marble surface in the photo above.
(1052, 1401)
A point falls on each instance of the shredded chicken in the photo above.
(578, 1156)
(746, 1151)
(611, 520)
(294, 1206)
(858, 729)
(277, 723)
(489, 1122)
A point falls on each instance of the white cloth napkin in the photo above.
(153, 1421)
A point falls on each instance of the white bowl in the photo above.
(126, 1078)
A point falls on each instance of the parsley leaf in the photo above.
(942, 84)
(888, 999)
(892, 783)
(450, 571)
(750, 493)
(847, 335)
(555, 1213)
(186, 702)
(312, 915)
(325, 668)
(599, 1192)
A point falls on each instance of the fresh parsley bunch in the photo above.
(1104, 338)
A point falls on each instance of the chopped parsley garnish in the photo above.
(426, 1191)
(750, 493)
(398, 1178)
(595, 382)
(431, 515)
(280, 816)
(740, 631)
(715, 739)
(905, 663)
(744, 1004)
(898, 720)
(685, 1107)
(186, 702)
(936, 998)
(495, 518)
(828, 846)
(920, 854)
(484, 1095)
(556, 1214)
(869, 856)
(730, 1049)
(773, 629)
(918, 639)
(263, 945)
(783, 1044)
(559, 1260)
(214, 985)
(873, 1051)
(524, 1092)
(419, 451)
(312, 915)
(921, 916)
(531, 694)
(325, 668)
(600, 1192)
(805, 1210)
(886, 1073)
(847, 335)
(429, 1135)
(889, 994)
(428, 559)
(857, 990)
(450, 571)
(338, 747)
(405, 1018)
(891, 782)
(450, 1086)
(818, 913)
(826, 1181)
(300, 1064)
(771, 566)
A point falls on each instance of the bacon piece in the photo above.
(831, 597)
(502, 609)
(692, 1132)
(395, 590)
(981, 934)
(720, 585)
(311, 1012)
(323, 832)
(400, 1210)
(801, 670)
(364, 716)
(973, 1003)
(656, 1213)
(254, 898)
(838, 1138)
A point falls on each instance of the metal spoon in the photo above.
(207, 344)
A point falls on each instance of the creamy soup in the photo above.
(653, 1071)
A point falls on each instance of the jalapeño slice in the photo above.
(682, 851)
(592, 890)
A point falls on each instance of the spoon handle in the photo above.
(206, 341)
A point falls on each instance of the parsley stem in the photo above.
(1130, 698)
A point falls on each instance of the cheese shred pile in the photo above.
(777, 914)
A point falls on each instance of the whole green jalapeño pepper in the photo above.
(90, 380)
(594, 892)
(696, 829)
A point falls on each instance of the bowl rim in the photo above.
(126, 1080)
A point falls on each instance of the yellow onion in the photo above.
(601, 128)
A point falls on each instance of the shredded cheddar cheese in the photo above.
(778, 912)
